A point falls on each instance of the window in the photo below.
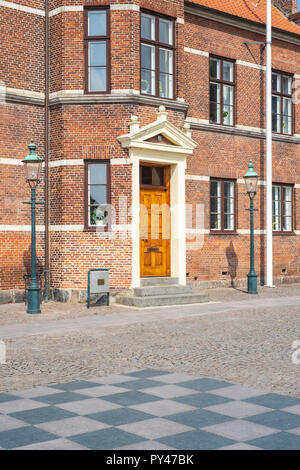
(97, 193)
(282, 111)
(157, 56)
(153, 176)
(282, 208)
(221, 91)
(97, 50)
(222, 206)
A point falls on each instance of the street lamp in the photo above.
(33, 165)
(251, 180)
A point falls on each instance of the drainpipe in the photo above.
(269, 228)
(46, 139)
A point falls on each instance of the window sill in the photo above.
(284, 234)
(98, 229)
(223, 232)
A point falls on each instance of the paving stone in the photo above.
(71, 426)
(239, 430)
(196, 440)
(273, 400)
(155, 428)
(36, 392)
(8, 422)
(292, 409)
(295, 431)
(147, 445)
(240, 446)
(202, 400)
(163, 407)
(20, 405)
(198, 418)
(55, 444)
(5, 397)
(277, 419)
(280, 441)
(102, 391)
(205, 384)
(76, 385)
(169, 391)
(23, 436)
(111, 438)
(89, 406)
(42, 415)
(238, 392)
(130, 398)
(139, 384)
(111, 379)
(120, 416)
(174, 378)
(238, 409)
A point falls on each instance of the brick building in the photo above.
(154, 102)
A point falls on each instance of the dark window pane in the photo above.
(214, 68)
(213, 204)
(275, 82)
(158, 176)
(215, 112)
(215, 92)
(215, 222)
(214, 185)
(146, 175)
(97, 23)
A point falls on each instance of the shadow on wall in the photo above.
(232, 261)
(27, 263)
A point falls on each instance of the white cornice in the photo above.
(64, 9)
(25, 9)
(124, 6)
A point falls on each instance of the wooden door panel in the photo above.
(155, 223)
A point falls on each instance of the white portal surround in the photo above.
(173, 154)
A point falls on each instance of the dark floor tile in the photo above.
(204, 385)
(280, 441)
(202, 400)
(23, 436)
(273, 400)
(106, 439)
(58, 398)
(130, 398)
(42, 415)
(277, 419)
(196, 440)
(120, 416)
(198, 418)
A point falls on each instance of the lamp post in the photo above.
(33, 164)
(251, 179)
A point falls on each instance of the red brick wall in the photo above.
(84, 131)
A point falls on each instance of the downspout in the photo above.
(47, 244)
(269, 228)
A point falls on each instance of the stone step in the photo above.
(158, 281)
(162, 290)
(160, 300)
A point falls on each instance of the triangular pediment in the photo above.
(159, 135)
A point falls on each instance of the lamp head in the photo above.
(33, 165)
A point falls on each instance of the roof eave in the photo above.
(209, 13)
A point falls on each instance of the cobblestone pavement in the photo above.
(16, 313)
(244, 342)
(148, 409)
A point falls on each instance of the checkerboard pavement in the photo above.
(148, 409)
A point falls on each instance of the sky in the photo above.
(298, 4)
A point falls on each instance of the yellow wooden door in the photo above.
(155, 232)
